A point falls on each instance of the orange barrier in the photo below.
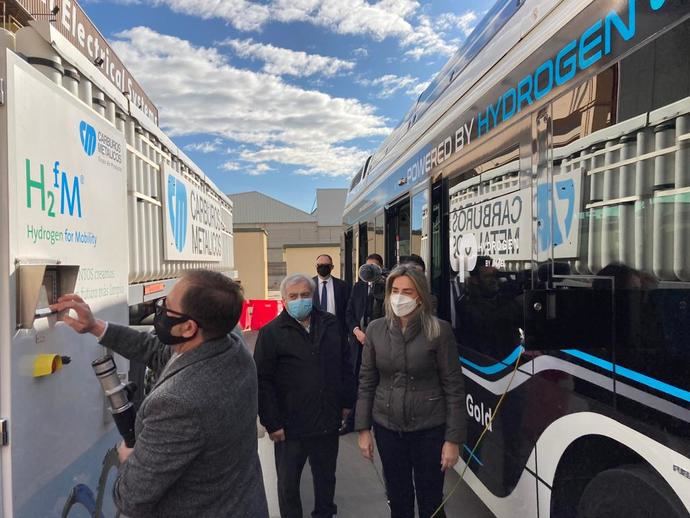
(263, 311)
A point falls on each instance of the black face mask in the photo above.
(324, 270)
(163, 324)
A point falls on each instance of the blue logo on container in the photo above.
(177, 210)
(87, 133)
(552, 225)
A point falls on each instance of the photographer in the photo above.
(365, 305)
(196, 445)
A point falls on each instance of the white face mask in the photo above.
(402, 304)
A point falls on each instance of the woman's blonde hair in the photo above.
(430, 324)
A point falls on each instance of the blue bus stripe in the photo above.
(631, 374)
(472, 455)
(497, 367)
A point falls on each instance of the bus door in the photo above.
(397, 232)
(350, 273)
(363, 245)
(438, 253)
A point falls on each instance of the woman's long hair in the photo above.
(430, 324)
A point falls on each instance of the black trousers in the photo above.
(412, 465)
(357, 361)
(291, 455)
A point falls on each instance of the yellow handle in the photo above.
(46, 364)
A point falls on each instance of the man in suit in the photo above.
(361, 309)
(196, 442)
(331, 294)
(306, 390)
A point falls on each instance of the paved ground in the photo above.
(359, 491)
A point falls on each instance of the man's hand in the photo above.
(449, 455)
(85, 321)
(346, 413)
(366, 444)
(277, 436)
(359, 335)
(123, 452)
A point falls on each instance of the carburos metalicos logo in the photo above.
(87, 133)
(177, 211)
(109, 149)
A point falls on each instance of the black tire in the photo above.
(629, 492)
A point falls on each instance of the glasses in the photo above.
(162, 308)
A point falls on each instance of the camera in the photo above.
(376, 276)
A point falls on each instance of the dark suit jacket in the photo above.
(357, 306)
(196, 450)
(342, 295)
(305, 379)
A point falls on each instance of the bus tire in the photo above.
(629, 492)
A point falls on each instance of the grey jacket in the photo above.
(196, 450)
(408, 383)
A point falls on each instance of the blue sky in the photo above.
(283, 96)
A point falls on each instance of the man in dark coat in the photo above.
(362, 308)
(331, 294)
(306, 390)
(196, 443)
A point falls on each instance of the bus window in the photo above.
(397, 232)
(371, 236)
(585, 109)
(656, 75)
(363, 249)
(380, 247)
(490, 252)
(419, 225)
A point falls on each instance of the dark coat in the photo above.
(408, 383)
(305, 379)
(358, 307)
(342, 294)
(196, 450)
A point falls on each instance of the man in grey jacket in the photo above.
(196, 445)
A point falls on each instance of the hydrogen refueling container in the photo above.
(94, 199)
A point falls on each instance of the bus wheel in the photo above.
(629, 492)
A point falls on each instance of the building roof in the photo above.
(254, 207)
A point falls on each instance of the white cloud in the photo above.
(200, 93)
(312, 159)
(242, 14)
(231, 166)
(361, 52)
(400, 19)
(279, 61)
(389, 84)
(378, 20)
(465, 22)
(427, 40)
(205, 147)
(417, 90)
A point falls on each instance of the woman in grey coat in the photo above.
(411, 390)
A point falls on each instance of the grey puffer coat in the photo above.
(409, 383)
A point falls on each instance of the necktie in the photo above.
(324, 297)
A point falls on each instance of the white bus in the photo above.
(544, 177)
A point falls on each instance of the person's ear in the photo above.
(190, 328)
